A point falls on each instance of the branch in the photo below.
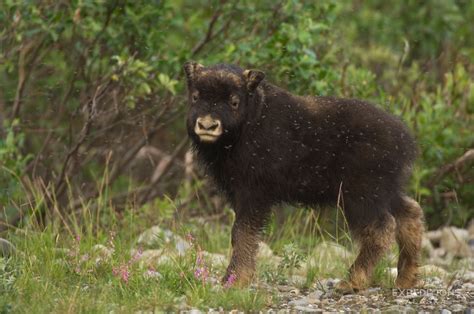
(120, 165)
(91, 108)
(209, 34)
(166, 162)
(24, 70)
(465, 159)
(142, 194)
(83, 56)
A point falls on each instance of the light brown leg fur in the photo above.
(409, 234)
(375, 240)
(244, 250)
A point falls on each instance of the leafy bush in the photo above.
(92, 86)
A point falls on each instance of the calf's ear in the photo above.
(190, 68)
(253, 78)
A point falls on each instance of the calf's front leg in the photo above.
(245, 238)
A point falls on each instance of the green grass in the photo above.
(44, 278)
(56, 269)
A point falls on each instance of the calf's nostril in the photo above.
(212, 126)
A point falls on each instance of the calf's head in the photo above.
(219, 99)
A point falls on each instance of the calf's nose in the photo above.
(207, 123)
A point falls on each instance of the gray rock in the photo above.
(458, 308)
(454, 241)
(152, 258)
(306, 309)
(432, 270)
(101, 253)
(297, 280)
(264, 251)
(328, 257)
(6, 248)
(299, 302)
(285, 288)
(469, 286)
(445, 311)
(216, 259)
(372, 291)
(315, 297)
(468, 276)
(408, 309)
(157, 237)
(181, 245)
(430, 299)
(402, 301)
(295, 292)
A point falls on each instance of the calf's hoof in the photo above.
(408, 283)
(346, 287)
(237, 279)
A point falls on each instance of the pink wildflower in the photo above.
(122, 272)
(230, 280)
(199, 258)
(201, 273)
(136, 256)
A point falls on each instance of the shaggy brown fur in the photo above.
(409, 235)
(264, 146)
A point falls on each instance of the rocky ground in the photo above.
(448, 276)
(434, 295)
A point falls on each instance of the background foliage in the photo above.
(92, 97)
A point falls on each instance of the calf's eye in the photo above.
(234, 102)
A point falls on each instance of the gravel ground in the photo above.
(434, 296)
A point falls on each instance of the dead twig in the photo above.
(121, 164)
(26, 63)
(147, 152)
(118, 167)
(146, 193)
(91, 112)
(162, 168)
(455, 166)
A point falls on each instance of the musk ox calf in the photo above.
(264, 146)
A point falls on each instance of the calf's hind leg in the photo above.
(409, 232)
(375, 238)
